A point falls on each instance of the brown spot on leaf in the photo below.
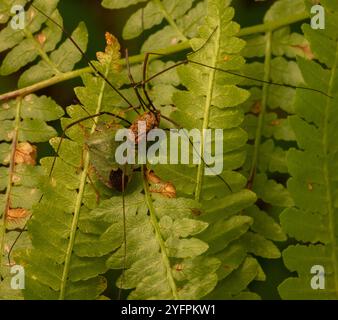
(226, 58)
(306, 50)
(179, 267)
(174, 41)
(110, 39)
(256, 107)
(310, 186)
(275, 122)
(112, 54)
(25, 154)
(41, 38)
(152, 177)
(17, 214)
(166, 189)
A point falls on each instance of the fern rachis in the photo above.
(167, 247)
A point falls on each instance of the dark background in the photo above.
(98, 21)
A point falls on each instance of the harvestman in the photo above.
(151, 116)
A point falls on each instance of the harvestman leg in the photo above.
(54, 161)
(177, 125)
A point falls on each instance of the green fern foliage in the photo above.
(267, 109)
(37, 44)
(266, 120)
(55, 267)
(24, 122)
(182, 19)
(84, 227)
(313, 168)
(215, 105)
(80, 245)
(163, 258)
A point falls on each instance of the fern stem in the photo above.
(78, 73)
(73, 229)
(3, 225)
(79, 198)
(159, 238)
(170, 20)
(42, 53)
(210, 90)
(274, 25)
(326, 166)
(45, 84)
(260, 125)
(269, 26)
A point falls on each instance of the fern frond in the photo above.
(182, 21)
(36, 44)
(163, 255)
(24, 122)
(211, 101)
(312, 221)
(55, 268)
(266, 120)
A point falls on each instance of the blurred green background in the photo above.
(98, 21)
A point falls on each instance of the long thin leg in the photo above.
(145, 68)
(83, 54)
(187, 61)
(177, 125)
(205, 43)
(54, 161)
(132, 81)
(254, 79)
(176, 65)
(77, 122)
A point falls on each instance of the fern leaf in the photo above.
(266, 121)
(24, 122)
(37, 42)
(159, 246)
(233, 286)
(313, 169)
(118, 4)
(182, 21)
(55, 267)
(201, 105)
